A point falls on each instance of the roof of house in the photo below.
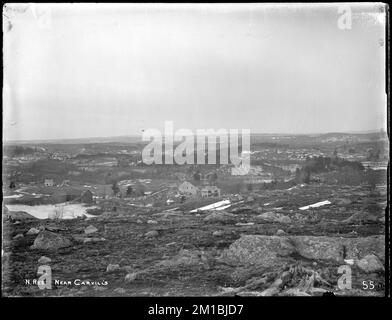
(210, 188)
(186, 183)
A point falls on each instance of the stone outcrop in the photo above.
(47, 240)
(272, 250)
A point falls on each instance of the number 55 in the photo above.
(368, 285)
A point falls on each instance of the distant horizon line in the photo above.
(140, 134)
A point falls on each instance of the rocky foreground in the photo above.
(248, 251)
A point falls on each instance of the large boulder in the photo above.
(268, 216)
(186, 258)
(271, 250)
(357, 248)
(90, 229)
(370, 263)
(220, 216)
(258, 250)
(338, 248)
(33, 231)
(130, 277)
(44, 260)
(273, 217)
(112, 267)
(151, 234)
(362, 217)
(320, 248)
(51, 241)
(343, 201)
(284, 219)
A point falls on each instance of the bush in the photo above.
(57, 214)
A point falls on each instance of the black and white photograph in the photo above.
(195, 150)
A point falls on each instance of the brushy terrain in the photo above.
(263, 246)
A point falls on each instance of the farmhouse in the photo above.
(49, 183)
(188, 189)
(210, 191)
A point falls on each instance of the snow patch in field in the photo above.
(244, 224)
(214, 206)
(14, 196)
(68, 210)
(316, 205)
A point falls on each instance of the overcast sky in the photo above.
(76, 71)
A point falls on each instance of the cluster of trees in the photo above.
(137, 190)
(325, 164)
(374, 155)
(18, 150)
(349, 176)
(318, 165)
(269, 145)
(339, 171)
(302, 176)
(211, 177)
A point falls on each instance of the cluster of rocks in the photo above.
(220, 216)
(52, 240)
(187, 258)
(47, 240)
(273, 217)
(268, 251)
(44, 260)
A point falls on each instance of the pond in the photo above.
(49, 211)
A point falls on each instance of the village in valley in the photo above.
(195, 150)
(96, 213)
